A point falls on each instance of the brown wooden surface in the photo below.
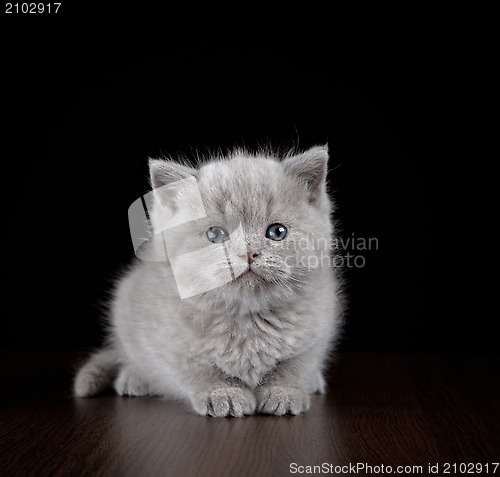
(380, 409)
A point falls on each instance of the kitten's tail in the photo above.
(97, 373)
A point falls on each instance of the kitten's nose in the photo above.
(251, 257)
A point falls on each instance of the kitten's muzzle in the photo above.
(251, 256)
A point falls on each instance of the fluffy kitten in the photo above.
(234, 305)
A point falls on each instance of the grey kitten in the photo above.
(234, 303)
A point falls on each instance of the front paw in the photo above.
(223, 402)
(281, 400)
(130, 383)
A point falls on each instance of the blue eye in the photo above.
(276, 232)
(217, 234)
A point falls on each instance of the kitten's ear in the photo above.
(310, 167)
(163, 173)
(167, 181)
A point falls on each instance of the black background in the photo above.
(81, 119)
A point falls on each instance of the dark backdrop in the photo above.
(80, 120)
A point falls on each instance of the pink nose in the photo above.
(251, 257)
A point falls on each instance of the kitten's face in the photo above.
(261, 233)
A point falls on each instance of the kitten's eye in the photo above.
(276, 232)
(217, 234)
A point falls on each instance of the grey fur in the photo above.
(255, 344)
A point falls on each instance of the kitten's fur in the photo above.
(254, 344)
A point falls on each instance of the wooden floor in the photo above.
(381, 410)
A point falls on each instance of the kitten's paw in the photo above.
(90, 380)
(223, 402)
(130, 383)
(281, 400)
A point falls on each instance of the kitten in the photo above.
(234, 304)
